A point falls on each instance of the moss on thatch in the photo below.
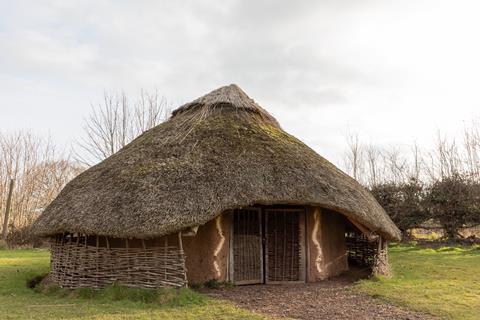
(221, 151)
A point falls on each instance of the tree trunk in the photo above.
(7, 210)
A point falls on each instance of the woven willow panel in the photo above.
(247, 246)
(283, 245)
(360, 250)
(74, 265)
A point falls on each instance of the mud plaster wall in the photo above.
(327, 251)
(207, 251)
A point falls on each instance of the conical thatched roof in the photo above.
(218, 152)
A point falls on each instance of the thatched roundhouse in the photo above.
(217, 192)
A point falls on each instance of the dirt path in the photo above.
(331, 299)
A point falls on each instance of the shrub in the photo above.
(403, 202)
(455, 202)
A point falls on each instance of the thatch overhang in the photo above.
(219, 152)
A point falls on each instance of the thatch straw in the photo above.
(220, 152)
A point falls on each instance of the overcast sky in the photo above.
(392, 71)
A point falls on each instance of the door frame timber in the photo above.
(302, 242)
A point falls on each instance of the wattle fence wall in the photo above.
(77, 264)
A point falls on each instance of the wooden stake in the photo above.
(180, 243)
(7, 210)
(180, 246)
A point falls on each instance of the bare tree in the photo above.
(373, 158)
(39, 173)
(396, 165)
(417, 162)
(414, 185)
(446, 159)
(471, 140)
(354, 156)
(115, 122)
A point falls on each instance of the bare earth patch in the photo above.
(331, 299)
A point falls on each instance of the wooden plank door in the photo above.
(284, 249)
(247, 250)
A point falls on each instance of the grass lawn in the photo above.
(19, 302)
(443, 282)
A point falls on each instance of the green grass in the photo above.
(19, 302)
(164, 296)
(444, 282)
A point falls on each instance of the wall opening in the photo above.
(268, 245)
(360, 250)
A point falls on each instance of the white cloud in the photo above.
(394, 71)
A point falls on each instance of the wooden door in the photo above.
(247, 251)
(284, 249)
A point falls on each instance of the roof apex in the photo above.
(228, 97)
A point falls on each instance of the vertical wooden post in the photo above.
(380, 263)
(7, 210)
(127, 246)
(302, 242)
(180, 246)
(165, 256)
(231, 273)
(180, 243)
